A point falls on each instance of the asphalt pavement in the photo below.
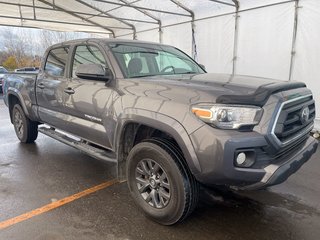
(35, 175)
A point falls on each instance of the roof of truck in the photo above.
(99, 40)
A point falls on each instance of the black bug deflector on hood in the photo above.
(261, 95)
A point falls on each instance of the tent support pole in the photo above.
(235, 40)
(21, 18)
(294, 38)
(34, 10)
(160, 32)
(193, 26)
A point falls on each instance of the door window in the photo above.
(87, 55)
(56, 61)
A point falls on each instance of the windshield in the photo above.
(141, 60)
(3, 70)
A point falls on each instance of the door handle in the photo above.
(40, 85)
(69, 90)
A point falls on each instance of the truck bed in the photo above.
(23, 85)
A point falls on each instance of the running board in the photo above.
(92, 151)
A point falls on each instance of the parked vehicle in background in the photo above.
(27, 70)
(3, 71)
(166, 122)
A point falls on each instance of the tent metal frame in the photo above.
(120, 4)
(88, 19)
(88, 15)
(77, 16)
(109, 15)
(105, 14)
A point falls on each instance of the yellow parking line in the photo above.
(51, 206)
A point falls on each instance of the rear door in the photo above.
(88, 103)
(50, 87)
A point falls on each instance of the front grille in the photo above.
(292, 120)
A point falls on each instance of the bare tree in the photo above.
(14, 45)
(48, 38)
(27, 45)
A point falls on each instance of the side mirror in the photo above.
(202, 66)
(93, 72)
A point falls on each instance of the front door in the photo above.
(88, 102)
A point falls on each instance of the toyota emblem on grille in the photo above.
(304, 116)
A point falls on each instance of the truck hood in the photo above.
(209, 87)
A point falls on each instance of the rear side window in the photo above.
(87, 55)
(57, 61)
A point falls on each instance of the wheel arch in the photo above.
(14, 98)
(137, 121)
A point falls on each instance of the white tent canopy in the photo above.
(269, 38)
(116, 17)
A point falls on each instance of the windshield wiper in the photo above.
(169, 74)
(141, 76)
(188, 72)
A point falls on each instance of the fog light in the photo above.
(245, 158)
(241, 158)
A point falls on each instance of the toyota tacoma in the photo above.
(167, 124)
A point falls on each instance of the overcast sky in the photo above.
(35, 35)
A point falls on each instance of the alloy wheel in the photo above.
(153, 183)
(18, 123)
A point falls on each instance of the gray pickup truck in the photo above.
(168, 124)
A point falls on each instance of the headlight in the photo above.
(228, 116)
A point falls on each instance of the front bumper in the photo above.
(216, 151)
(278, 173)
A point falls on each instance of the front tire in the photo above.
(160, 181)
(26, 130)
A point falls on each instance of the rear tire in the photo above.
(160, 182)
(26, 130)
